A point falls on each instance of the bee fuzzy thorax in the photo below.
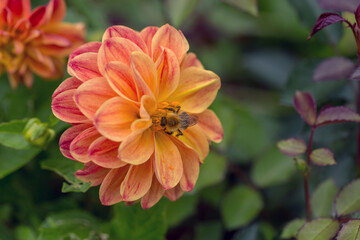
(171, 120)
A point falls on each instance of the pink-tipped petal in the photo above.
(147, 35)
(191, 165)
(68, 136)
(114, 118)
(104, 153)
(91, 47)
(116, 49)
(174, 193)
(195, 138)
(168, 37)
(84, 67)
(137, 181)
(121, 79)
(138, 147)
(154, 194)
(91, 95)
(57, 10)
(190, 60)
(167, 163)
(92, 173)
(125, 32)
(211, 124)
(110, 188)
(19, 8)
(197, 89)
(63, 105)
(168, 74)
(38, 16)
(145, 73)
(79, 147)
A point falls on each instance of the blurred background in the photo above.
(247, 189)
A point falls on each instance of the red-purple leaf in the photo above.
(331, 115)
(339, 5)
(355, 76)
(322, 157)
(291, 147)
(335, 68)
(325, 20)
(305, 105)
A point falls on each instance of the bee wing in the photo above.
(193, 119)
(187, 120)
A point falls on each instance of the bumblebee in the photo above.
(172, 120)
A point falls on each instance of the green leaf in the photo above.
(272, 168)
(323, 197)
(350, 231)
(67, 168)
(133, 222)
(11, 159)
(249, 6)
(212, 171)
(179, 10)
(292, 147)
(322, 157)
(249, 233)
(291, 228)
(71, 225)
(187, 204)
(11, 134)
(25, 233)
(322, 228)
(240, 206)
(348, 200)
(209, 230)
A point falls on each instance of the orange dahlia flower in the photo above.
(35, 42)
(138, 104)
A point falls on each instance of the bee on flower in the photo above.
(138, 105)
(35, 41)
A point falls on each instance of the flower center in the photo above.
(170, 119)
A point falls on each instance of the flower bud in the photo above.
(38, 133)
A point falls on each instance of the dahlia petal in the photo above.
(38, 16)
(41, 64)
(147, 35)
(168, 73)
(80, 145)
(91, 95)
(197, 89)
(92, 173)
(191, 165)
(195, 138)
(154, 194)
(121, 80)
(104, 153)
(138, 147)
(91, 47)
(125, 32)
(19, 8)
(191, 60)
(84, 66)
(116, 49)
(68, 136)
(3, 4)
(167, 164)
(145, 73)
(137, 181)
(56, 10)
(141, 124)
(168, 37)
(63, 105)
(148, 106)
(110, 187)
(174, 193)
(211, 125)
(113, 119)
(56, 40)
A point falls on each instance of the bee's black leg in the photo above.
(178, 109)
(179, 133)
(170, 109)
(170, 133)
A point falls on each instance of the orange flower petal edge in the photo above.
(35, 41)
(138, 103)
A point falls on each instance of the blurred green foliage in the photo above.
(246, 188)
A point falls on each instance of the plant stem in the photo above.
(358, 127)
(306, 177)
